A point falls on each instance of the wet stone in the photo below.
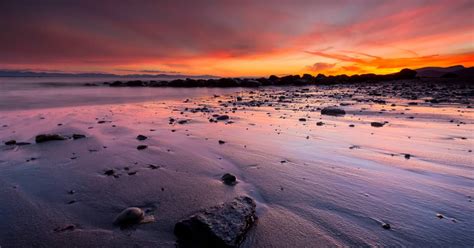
(377, 124)
(48, 137)
(224, 225)
(129, 216)
(229, 179)
(142, 147)
(332, 111)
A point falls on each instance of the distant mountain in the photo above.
(440, 71)
(27, 73)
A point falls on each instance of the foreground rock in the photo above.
(229, 179)
(332, 111)
(220, 226)
(48, 137)
(129, 216)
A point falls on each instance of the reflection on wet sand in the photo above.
(318, 180)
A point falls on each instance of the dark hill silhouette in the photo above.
(438, 71)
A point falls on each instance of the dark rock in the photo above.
(10, 142)
(48, 137)
(222, 117)
(182, 122)
(221, 142)
(141, 147)
(332, 111)
(224, 225)
(377, 124)
(78, 136)
(110, 172)
(407, 156)
(319, 123)
(386, 226)
(129, 216)
(141, 137)
(229, 179)
(302, 119)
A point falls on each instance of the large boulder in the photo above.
(224, 225)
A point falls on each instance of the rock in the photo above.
(221, 142)
(109, 172)
(302, 119)
(129, 216)
(377, 124)
(48, 137)
(222, 117)
(407, 156)
(386, 226)
(141, 137)
(181, 122)
(229, 179)
(224, 225)
(319, 123)
(351, 125)
(78, 136)
(141, 147)
(440, 216)
(10, 142)
(332, 111)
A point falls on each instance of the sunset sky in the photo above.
(235, 38)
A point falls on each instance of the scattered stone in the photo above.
(229, 179)
(224, 225)
(48, 137)
(332, 111)
(222, 117)
(109, 172)
(141, 147)
(377, 124)
(141, 137)
(153, 167)
(129, 216)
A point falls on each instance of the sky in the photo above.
(235, 38)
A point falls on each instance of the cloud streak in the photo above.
(244, 37)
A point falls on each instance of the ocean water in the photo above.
(18, 93)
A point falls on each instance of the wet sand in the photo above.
(323, 185)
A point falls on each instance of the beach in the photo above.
(317, 180)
